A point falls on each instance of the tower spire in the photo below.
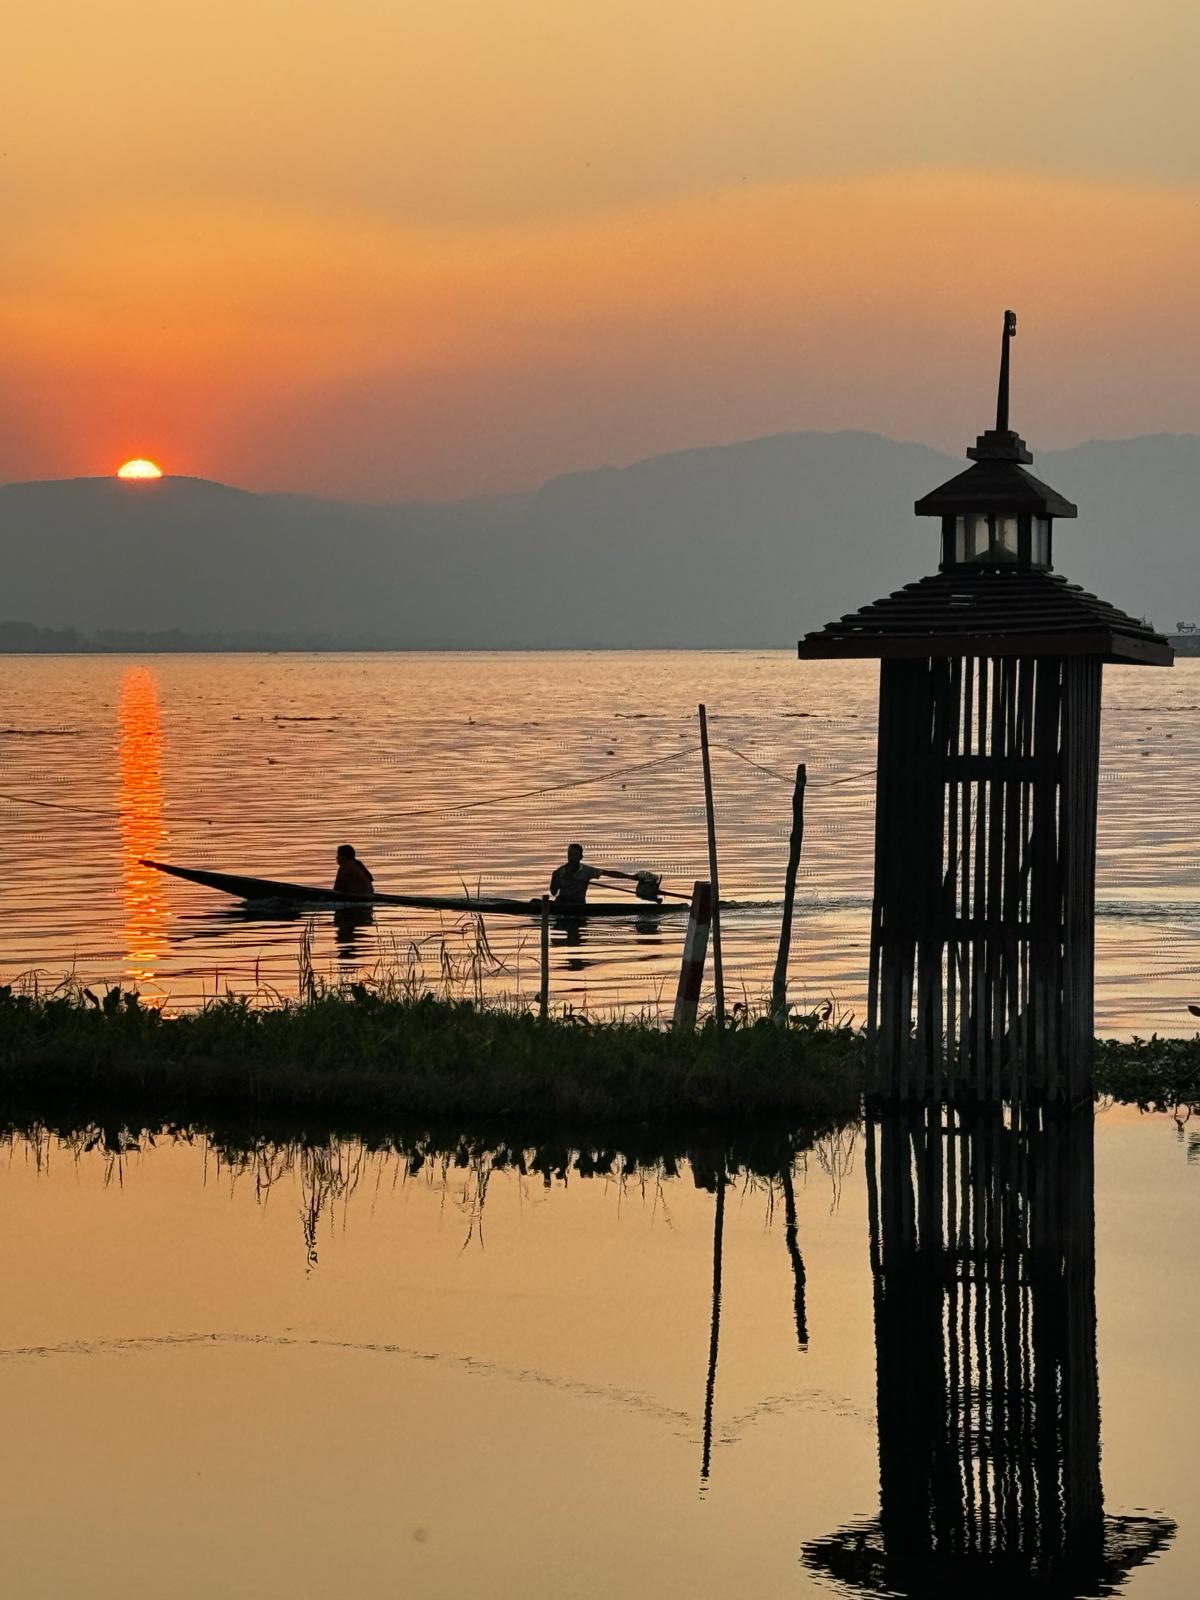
(1010, 333)
(1001, 443)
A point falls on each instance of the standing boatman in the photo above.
(569, 883)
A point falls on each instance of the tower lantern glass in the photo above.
(995, 538)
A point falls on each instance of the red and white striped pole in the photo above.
(695, 949)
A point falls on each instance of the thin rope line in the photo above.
(425, 811)
(53, 805)
(550, 788)
(757, 765)
(780, 777)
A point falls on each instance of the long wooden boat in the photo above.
(264, 889)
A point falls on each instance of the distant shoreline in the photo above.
(112, 644)
(409, 649)
(26, 639)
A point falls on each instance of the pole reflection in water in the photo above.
(791, 1234)
(140, 800)
(717, 1176)
(714, 1328)
(983, 1260)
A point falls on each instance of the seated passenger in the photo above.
(569, 884)
(352, 879)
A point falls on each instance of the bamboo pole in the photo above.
(718, 969)
(544, 989)
(795, 842)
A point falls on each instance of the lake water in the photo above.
(887, 1363)
(324, 1370)
(262, 764)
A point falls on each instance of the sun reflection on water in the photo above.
(142, 831)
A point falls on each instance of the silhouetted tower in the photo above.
(983, 1264)
(982, 930)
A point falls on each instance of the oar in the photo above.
(635, 877)
(634, 895)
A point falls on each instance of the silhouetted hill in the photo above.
(1137, 537)
(184, 553)
(741, 544)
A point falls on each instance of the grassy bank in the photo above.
(364, 1056)
(360, 1054)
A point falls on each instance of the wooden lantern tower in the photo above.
(985, 829)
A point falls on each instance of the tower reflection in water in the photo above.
(140, 800)
(983, 1260)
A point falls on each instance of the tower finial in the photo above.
(1010, 333)
(1001, 443)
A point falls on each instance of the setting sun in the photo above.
(139, 468)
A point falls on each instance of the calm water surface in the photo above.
(262, 764)
(327, 1370)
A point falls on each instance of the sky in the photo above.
(383, 251)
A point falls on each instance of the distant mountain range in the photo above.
(745, 544)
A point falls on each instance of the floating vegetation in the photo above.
(391, 1050)
(426, 1044)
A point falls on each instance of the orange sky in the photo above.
(380, 251)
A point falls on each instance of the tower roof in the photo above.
(991, 611)
(995, 485)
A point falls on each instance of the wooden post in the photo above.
(695, 948)
(714, 880)
(544, 991)
(779, 986)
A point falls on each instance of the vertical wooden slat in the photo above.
(994, 1007)
(1044, 897)
(979, 1016)
(1081, 737)
(882, 787)
(950, 875)
(951, 1319)
(906, 887)
(930, 754)
(1010, 909)
(1026, 689)
(968, 846)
